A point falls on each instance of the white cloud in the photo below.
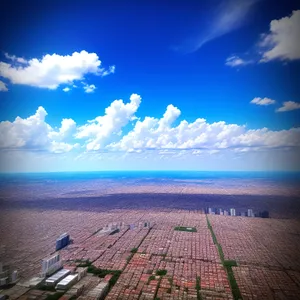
(53, 70)
(26, 133)
(282, 41)
(68, 127)
(15, 58)
(99, 131)
(61, 147)
(289, 105)
(110, 70)
(33, 133)
(200, 135)
(262, 101)
(89, 88)
(66, 89)
(149, 135)
(171, 114)
(228, 16)
(3, 87)
(235, 61)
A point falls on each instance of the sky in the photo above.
(149, 85)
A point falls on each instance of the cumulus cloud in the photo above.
(200, 135)
(89, 88)
(226, 17)
(281, 42)
(3, 87)
(33, 133)
(27, 133)
(68, 127)
(262, 101)
(289, 105)
(165, 136)
(52, 70)
(99, 131)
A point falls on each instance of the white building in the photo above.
(250, 213)
(14, 277)
(7, 276)
(232, 212)
(54, 279)
(67, 282)
(51, 265)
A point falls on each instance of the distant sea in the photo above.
(150, 176)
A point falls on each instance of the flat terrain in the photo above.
(266, 251)
(223, 257)
(280, 199)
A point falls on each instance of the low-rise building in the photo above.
(100, 291)
(54, 279)
(67, 282)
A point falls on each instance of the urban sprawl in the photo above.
(156, 255)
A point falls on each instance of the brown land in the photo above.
(266, 251)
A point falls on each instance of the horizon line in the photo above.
(99, 171)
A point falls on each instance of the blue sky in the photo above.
(201, 59)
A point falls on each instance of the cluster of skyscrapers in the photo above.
(232, 212)
(140, 225)
(112, 228)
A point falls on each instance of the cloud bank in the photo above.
(104, 133)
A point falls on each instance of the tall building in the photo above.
(62, 241)
(50, 265)
(4, 275)
(250, 213)
(7, 276)
(232, 211)
(14, 276)
(146, 224)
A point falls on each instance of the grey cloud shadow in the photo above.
(278, 206)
